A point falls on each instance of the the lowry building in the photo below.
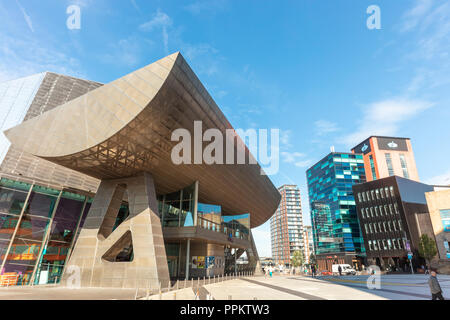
(150, 219)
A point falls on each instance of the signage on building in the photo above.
(445, 219)
(408, 245)
(394, 144)
(363, 147)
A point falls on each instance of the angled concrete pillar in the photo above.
(98, 245)
(253, 257)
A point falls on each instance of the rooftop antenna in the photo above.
(332, 149)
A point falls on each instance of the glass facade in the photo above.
(16, 97)
(333, 209)
(37, 229)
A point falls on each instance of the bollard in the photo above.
(192, 282)
(230, 298)
(178, 285)
(204, 280)
(174, 296)
(136, 293)
(185, 280)
(209, 279)
(254, 298)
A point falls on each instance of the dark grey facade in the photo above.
(393, 214)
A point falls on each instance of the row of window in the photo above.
(387, 244)
(376, 211)
(385, 226)
(376, 194)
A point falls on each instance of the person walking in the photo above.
(435, 288)
(340, 270)
(270, 271)
(313, 270)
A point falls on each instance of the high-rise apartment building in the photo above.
(387, 156)
(336, 231)
(286, 225)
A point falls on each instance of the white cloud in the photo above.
(206, 6)
(442, 180)
(385, 117)
(412, 17)
(26, 16)
(324, 127)
(304, 163)
(159, 20)
(290, 157)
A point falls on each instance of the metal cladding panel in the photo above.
(124, 128)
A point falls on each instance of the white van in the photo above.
(346, 269)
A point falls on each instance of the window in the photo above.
(367, 212)
(377, 193)
(394, 224)
(384, 227)
(382, 193)
(363, 196)
(400, 225)
(386, 190)
(367, 228)
(394, 246)
(359, 197)
(375, 247)
(389, 164)
(390, 209)
(379, 227)
(370, 245)
(376, 211)
(370, 228)
(368, 195)
(396, 208)
(404, 166)
(372, 168)
(381, 210)
(375, 228)
(386, 210)
(384, 244)
(389, 244)
(391, 189)
(362, 213)
(389, 226)
(371, 212)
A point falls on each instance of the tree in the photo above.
(297, 259)
(427, 248)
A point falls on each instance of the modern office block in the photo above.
(337, 236)
(393, 214)
(388, 156)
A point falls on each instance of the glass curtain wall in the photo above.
(178, 208)
(37, 230)
(13, 196)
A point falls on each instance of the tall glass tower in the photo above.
(336, 231)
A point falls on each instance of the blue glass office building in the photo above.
(336, 231)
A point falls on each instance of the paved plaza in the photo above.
(286, 287)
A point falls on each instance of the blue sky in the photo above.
(310, 68)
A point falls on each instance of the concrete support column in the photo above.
(188, 258)
(98, 245)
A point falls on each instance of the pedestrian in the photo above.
(313, 270)
(435, 288)
(270, 271)
(340, 270)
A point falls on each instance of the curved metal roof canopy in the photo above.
(125, 127)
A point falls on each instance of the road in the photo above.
(285, 287)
